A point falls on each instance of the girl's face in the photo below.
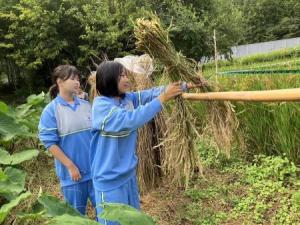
(70, 85)
(124, 83)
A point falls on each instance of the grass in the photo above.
(265, 128)
(275, 56)
(238, 192)
(232, 191)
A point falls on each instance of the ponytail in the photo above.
(53, 90)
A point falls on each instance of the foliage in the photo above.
(12, 188)
(239, 192)
(269, 178)
(17, 158)
(6, 208)
(124, 214)
(283, 55)
(55, 207)
(22, 121)
(67, 219)
(37, 35)
(59, 212)
(270, 20)
(274, 132)
(16, 124)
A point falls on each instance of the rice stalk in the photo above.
(148, 149)
(92, 82)
(180, 156)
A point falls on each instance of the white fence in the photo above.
(264, 47)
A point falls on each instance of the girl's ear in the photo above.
(59, 81)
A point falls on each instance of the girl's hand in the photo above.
(171, 91)
(74, 172)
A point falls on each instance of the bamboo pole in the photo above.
(281, 95)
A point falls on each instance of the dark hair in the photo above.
(107, 78)
(63, 72)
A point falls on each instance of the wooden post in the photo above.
(216, 55)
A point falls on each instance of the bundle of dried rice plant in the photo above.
(92, 82)
(149, 136)
(180, 158)
(148, 148)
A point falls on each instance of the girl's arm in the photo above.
(60, 155)
(145, 96)
(115, 121)
(48, 135)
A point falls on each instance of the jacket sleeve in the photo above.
(113, 120)
(142, 97)
(48, 133)
(145, 96)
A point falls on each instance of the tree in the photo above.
(268, 20)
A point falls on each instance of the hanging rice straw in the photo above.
(149, 172)
(92, 82)
(180, 156)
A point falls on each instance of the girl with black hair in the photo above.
(116, 116)
(65, 130)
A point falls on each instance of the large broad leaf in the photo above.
(22, 110)
(5, 157)
(125, 214)
(56, 207)
(37, 212)
(3, 176)
(17, 158)
(32, 216)
(23, 156)
(36, 99)
(9, 128)
(6, 208)
(74, 220)
(14, 182)
(3, 107)
(31, 123)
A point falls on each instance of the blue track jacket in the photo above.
(69, 127)
(114, 128)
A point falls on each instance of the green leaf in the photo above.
(3, 107)
(3, 176)
(5, 157)
(36, 99)
(9, 128)
(125, 214)
(74, 220)
(17, 158)
(56, 207)
(14, 183)
(22, 110)
(296, 198)
(5, 209)
(37, 212)
(30, 216)
(23, 156)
